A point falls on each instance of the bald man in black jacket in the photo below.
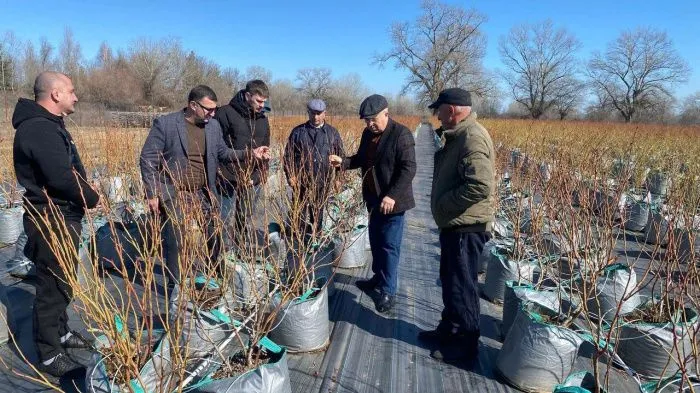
(48, 165)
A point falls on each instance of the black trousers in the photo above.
(314, 202)
(173, 213)
(459, 258)
(53, 294)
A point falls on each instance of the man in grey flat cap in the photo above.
(387, 158)
(307, 167)
(462, 203)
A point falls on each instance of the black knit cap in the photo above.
(453, 96)
(372, 105)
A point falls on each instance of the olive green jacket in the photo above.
(463, 192)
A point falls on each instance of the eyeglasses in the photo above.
(205, 109)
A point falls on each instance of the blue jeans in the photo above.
(385, 234)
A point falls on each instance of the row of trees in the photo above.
(543, 72)
(157, 74)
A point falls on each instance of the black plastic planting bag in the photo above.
(655, 350)
(272, 377)
(302, 325)
(119, 244)
(536, 354)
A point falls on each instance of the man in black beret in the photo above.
(462, 203)
(387, 158)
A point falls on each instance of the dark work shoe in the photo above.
(61, 365)
(366, 285)
(436, 336)
(385, 302)
(77, 341)
(458, 350)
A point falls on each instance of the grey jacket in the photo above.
(165, 153)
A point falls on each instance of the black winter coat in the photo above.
(243, 129)
(395, 166)
(307, 151)
(47, 162)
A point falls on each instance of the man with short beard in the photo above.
(179, 163)
(244, 126)
(47, 164)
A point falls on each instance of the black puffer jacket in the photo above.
(47, 162)
(242, 128)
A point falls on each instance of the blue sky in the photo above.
(284, 36)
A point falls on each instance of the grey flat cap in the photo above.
(317, 105)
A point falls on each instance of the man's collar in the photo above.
(318, 128)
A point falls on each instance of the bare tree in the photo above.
(158, 67)
(315, 82)
(489, 105)
(285, 99)
(9, 61)
(541, 64)
(70, 56)
(8, 69)
(402, 105)
(258, 72)
(443, 48)
(46, 60)
(234, 80)
(569, 97)
(346, 94)
(637, 69)
(690, 109)
(105, 56)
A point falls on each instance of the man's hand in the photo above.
(261, 153)
(338, 185)
(335, 161)
(387, 205)
(152, 204)
(292, 180)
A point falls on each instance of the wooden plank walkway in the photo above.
(368, 352)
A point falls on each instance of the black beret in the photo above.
(453, 96)
(372, 105)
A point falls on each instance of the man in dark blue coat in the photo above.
(307, 167)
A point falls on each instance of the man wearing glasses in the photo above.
(244, 126)
(387, 158)
(179, 162)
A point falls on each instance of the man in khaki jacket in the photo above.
(462, 205)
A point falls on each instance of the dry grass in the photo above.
(113, 150)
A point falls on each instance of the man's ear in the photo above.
(54, 95)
